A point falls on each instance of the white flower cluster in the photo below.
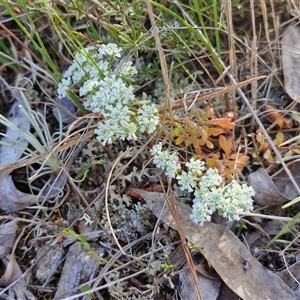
(106, 87)
(230, 201)
(165, 160)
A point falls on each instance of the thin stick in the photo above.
(171, 200)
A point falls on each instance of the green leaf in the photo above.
(279, 138)
(91, 31)
(81, 174)
(296, 117)
(85, 288)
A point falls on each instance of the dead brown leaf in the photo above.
(276, 190)
(12, 271)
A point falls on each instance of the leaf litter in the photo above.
(226, 254)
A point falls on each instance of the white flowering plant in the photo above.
(106, 87)
(210, 193)
(105, 84)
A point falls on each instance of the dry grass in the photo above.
(238, 79)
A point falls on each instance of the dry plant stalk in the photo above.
(178, 104)
(231, 43)
(171, 202)
(266, 26)
(63, 145)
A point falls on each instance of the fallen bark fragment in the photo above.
(79, 268)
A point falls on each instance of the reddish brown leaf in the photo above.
(222, 122)
(275, 116)
(239, 160)
(209, 145)
(215, 131)
(225, 144)
(198, 151)
(194, 141)
(155, 189)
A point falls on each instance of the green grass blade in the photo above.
(284, 229)
(198, 34)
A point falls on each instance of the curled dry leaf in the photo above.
(12, 199)
(276, 190)
(13, 144)
(7, 240)
(208, 279)
(19, 290)
(225, 252)
(12, 271)
(11, 275)
(10, 267)
(290, 45)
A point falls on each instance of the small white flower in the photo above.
(172, 167)
(127, 70)
(111, 50)
(201, 213)
(81, 58)
(63, 87)
(121, 115)
(108, 93)
(210, 197)
(79, 76)
(90, 86)
(196, 166)
(165, 160)
(237, 200)
(210, 179)
(186, 181)
(111, 91)
(230, 201)
(148, 119)
(156, 149)
(105, 132)
(128, 131)
(90, 48)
